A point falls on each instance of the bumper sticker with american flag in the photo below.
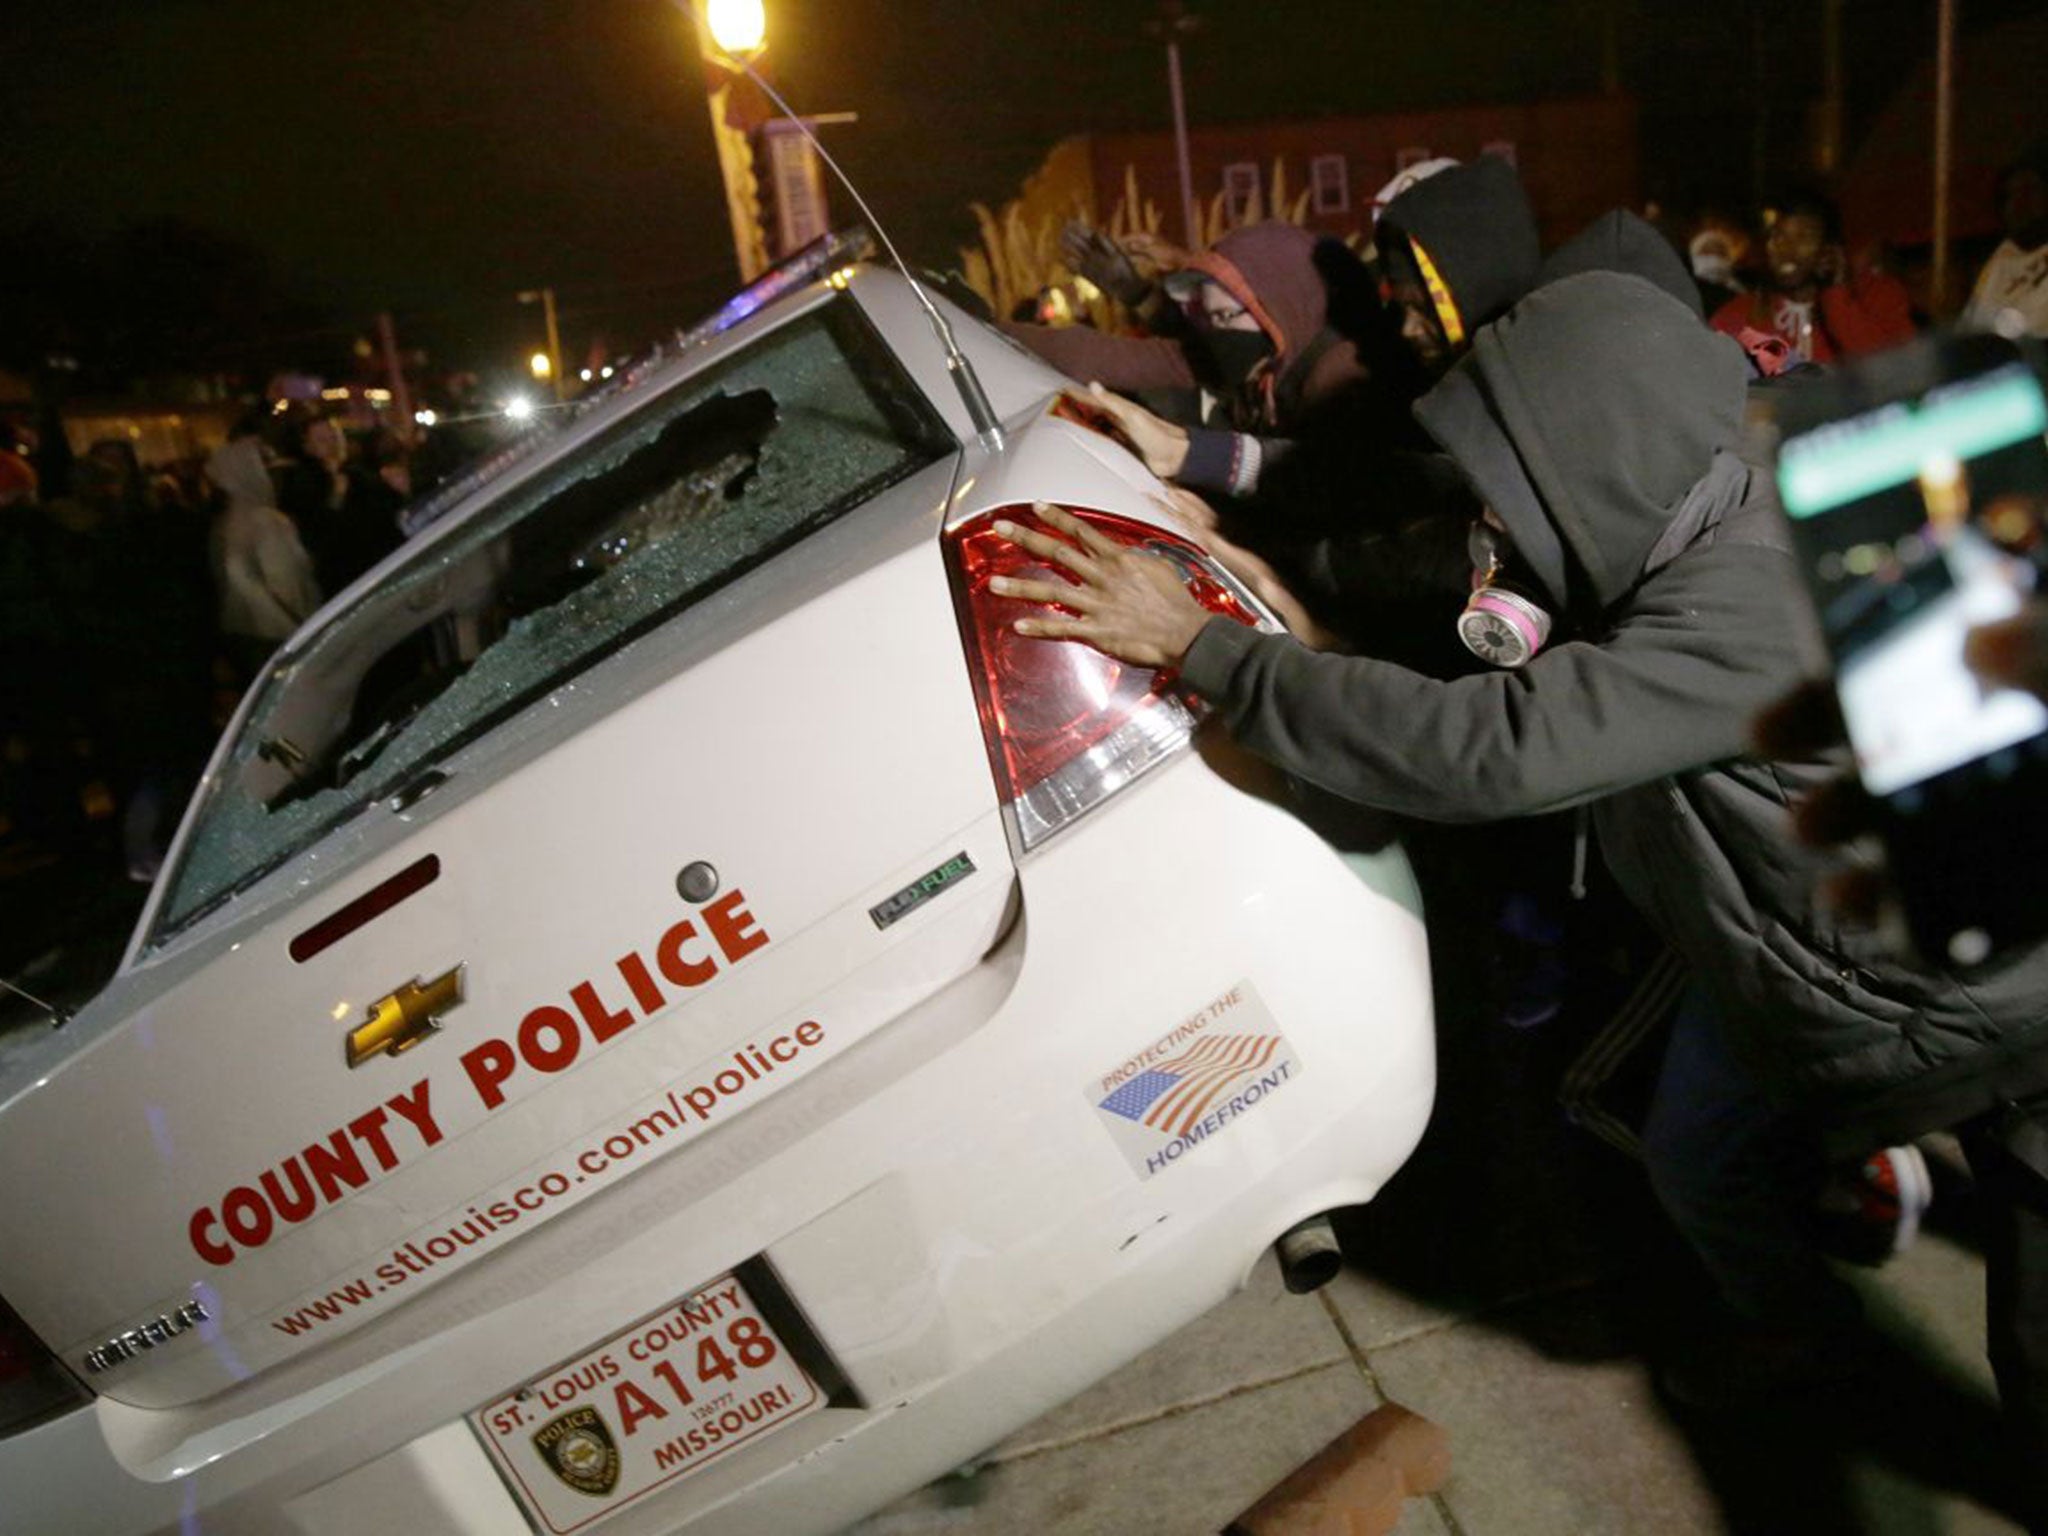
(1194, 1081)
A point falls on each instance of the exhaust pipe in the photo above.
(1309, 1255)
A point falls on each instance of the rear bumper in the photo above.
(970, 1233)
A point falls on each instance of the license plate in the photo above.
(652, 1404)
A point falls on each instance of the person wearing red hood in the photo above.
(1259, 346)
(1456, 249)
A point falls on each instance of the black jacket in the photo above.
(1598, 419)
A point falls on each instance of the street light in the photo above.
(1172, 24)
(740, 27)
(550, 365)
(728, 33)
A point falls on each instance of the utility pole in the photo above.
(1827, 148)
(401, 396)
(1610, 47)
(1944, 144)
(1760, 107)
(1172, 24)
(546, 299)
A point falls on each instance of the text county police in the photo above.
(549, 1039)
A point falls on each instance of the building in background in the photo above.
(1577, 155)
(1887, 184)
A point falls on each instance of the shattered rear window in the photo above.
(697, 487)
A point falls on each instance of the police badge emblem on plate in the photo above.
(578, 1448)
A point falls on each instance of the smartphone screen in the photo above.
(1917, 496)
(1918, 521)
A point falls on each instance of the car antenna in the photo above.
(986, 427)
(59, 1017)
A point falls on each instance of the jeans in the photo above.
(2009, 1154)
(1738, 1178)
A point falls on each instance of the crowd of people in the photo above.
(1518, 516)
(138, 606)
(1512, 508)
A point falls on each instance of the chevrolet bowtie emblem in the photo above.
(401, 1021)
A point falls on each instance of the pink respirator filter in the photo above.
(1502, 627)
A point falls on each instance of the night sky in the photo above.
(434, 157)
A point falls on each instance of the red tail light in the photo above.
(1066, 725)
(32, 1384)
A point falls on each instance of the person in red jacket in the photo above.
(1809, 300)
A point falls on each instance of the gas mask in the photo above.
(1500, 626)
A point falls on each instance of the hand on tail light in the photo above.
(1124, 602)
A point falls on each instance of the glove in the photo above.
(1095, 256)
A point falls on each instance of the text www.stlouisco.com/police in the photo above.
(480, 1223)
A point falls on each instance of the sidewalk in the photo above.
(1554, 1428)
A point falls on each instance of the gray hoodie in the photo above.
(262, 570)
(1598, 418)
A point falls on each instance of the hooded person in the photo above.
(1454, 245)
(1269, 271)
(1619, 512)
(1259, 345)
(1268, 293)
(1400, 182)
(1621, 241)
(265, 577)
(1457, 250)
(1355, 518)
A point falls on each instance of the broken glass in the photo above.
(697, 487)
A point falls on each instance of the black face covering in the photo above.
(1230, 355)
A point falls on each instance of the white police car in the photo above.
(665, 1014)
